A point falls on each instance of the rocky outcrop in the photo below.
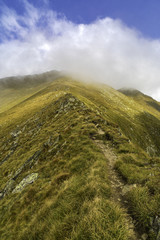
(67, 103)
(28, 163)
(27, 180)
(8, 188)
(12, 150)
(11, 182)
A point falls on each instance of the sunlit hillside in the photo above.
(77, 161)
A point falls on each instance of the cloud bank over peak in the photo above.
(104, 51)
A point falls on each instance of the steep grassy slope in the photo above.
(13, 90)
(49, 140)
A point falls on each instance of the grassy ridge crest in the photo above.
(51, 133)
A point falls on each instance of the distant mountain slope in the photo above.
(13, 90)
(131, 92)
(141, 98)
(77, 161)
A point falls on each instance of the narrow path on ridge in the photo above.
(117, 188)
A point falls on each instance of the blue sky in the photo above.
(116, 42)
(144, 15)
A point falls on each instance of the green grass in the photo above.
(72, 197)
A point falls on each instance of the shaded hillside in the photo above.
(59, 147)
(131, 92)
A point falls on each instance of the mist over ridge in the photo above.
(105, 50)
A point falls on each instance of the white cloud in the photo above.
(105, 50)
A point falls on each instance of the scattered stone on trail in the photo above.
(127, 188)
(101, 132)
(118, 187)
(27, 180)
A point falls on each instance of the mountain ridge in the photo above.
(55, 181)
